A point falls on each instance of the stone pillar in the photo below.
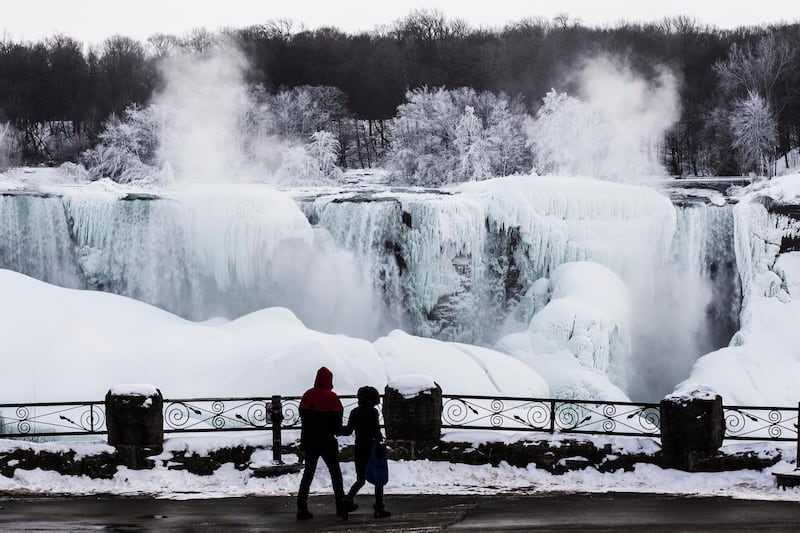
(135, 423)
(692, 426)
(414, 416)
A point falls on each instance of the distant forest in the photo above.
(752, 71)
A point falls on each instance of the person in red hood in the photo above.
(321, 418)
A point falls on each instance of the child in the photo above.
(364, 421)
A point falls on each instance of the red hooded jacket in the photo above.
(320, 413)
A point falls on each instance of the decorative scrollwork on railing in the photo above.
(231, 414)
(290, 408)
(466, 412)
(611, 418)
(257, 413)
(495, 413)
(538, 415)
(760, 423)
(53, 419)
(291, 412)
(178, 414)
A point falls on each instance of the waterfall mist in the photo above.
(690, 304)
(610, 128)
(212, 129)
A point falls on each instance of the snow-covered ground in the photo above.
(407, 477)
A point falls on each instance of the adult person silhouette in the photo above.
(321, 420)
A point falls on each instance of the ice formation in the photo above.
(761, 365)
(200, 251)
(469, 264)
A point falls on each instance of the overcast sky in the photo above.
(92, 21)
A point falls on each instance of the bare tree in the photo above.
(755, 133)
(758, 68)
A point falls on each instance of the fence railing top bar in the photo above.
(544, 400)
(194, 400)
(237, 399)
(49, 404)
(353, 397)
(760, 408)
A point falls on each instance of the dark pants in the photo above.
(329, 454)
(362, 457)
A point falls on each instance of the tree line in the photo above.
(739, 96)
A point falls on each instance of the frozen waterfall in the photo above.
(459, 264)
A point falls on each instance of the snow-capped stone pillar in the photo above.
(135, 423)
(412, 408)
(692, 425)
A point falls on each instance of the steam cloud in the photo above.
(205, 103)
(611, 129)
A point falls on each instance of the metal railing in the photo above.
(550, 415)
(275, 413)
(761, 423)
(237, 414)
(52, 419)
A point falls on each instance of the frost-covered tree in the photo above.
(128, 149)
(4, 148)
(298, 112)
(755, 133)
(472, 147)
(323, 148)
(444, 136)
(138, 131)
(611, 130)
(567, 137)
(311, 164)
(756, 79)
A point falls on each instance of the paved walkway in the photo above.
(552, 512)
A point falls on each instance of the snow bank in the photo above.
(458, 368)
(71, 345)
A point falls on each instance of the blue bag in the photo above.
(377, 471)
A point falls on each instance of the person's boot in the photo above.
(351, 505)
(341, 508)
(303, 514)
(380, 512)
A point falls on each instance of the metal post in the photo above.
(552, 416)
(276, 416)
(797, 425)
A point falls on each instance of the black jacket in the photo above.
(364, 421)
